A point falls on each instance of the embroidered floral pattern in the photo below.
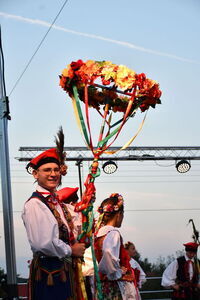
(111, 290)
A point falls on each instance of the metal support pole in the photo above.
(6, 187)
(79, 164)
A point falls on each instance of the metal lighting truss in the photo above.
(149, 153)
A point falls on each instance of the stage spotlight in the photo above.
(183, 166)
(109, 167)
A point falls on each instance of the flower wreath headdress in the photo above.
(109, 208)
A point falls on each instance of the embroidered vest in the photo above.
(183, 272)
(63, 230)
(123, 256)
(188, 289)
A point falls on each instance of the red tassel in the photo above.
(38, 274)
(63, 276)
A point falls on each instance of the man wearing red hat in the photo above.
(182, 275)
(52, 233)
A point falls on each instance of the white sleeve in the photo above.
(142, 278)
(76, 219)
(42, 230)
(109, 264)
(87, 265)
(169, 275)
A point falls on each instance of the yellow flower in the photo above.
(65, 72)
(109, 70)
(125, 77)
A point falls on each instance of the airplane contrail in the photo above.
(93, 36)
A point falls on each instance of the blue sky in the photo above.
(159, 38)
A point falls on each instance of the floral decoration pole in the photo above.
(121, 91)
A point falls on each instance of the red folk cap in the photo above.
(45, 157)
(191, 246)
(68, 194)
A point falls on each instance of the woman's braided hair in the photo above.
(110, 206)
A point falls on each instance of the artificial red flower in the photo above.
(105, 82)
(140, 78)
(63, 81)
(75, 65)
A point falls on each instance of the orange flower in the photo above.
(68, 72)
(88, 71)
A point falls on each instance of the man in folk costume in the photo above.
(51, 231)
(182, 275)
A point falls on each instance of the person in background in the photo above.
(70, 197)
(140, 276)
(182, 275)
(113, 260)
(88, 273)
(52, 234)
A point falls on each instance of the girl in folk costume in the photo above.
(113, 260)
(52, 231)
(140, 276)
